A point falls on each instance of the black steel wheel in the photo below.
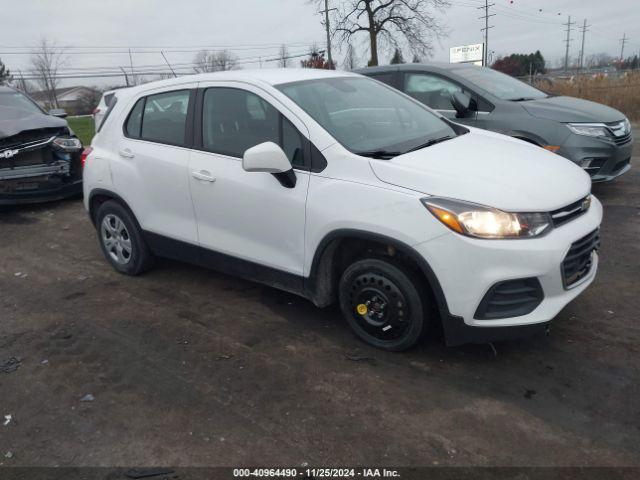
(382, 303)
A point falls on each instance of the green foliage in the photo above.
(521, 64)
(84, 128)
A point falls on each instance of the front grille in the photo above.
(577, 264)
(623, 140)
(511, 298)
(29, 137)
(570, 212)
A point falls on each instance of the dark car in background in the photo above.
(594, 136)
(40, 157)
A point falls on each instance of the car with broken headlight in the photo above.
(40, 156)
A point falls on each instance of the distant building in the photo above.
(75, 100)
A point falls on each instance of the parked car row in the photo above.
(340, 188)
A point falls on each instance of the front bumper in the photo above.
(467, 268)
(41, 195)
(610, 160)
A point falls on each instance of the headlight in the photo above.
(486, 222)
(589, 129)
(68, 144)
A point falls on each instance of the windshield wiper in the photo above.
(429, 143)
(521, 99)
(381, 154)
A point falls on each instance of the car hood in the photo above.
(489, 169)
(16, 120)
(569, 109)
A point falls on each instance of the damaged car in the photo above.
(40, 156)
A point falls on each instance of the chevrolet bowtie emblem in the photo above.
(586, 203)
(9, 153)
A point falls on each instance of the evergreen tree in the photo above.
(5, 74)
(397, 57)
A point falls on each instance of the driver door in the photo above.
(250, 216)
(435, 92)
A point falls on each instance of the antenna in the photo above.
(170, 68)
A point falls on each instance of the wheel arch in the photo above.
(98, 196)
(327, 265)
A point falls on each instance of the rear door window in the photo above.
(134, 122)
(164, 119)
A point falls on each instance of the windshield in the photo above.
(367, 117)
(18, 100)
(501, 85)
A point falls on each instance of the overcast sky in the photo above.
(254, 29)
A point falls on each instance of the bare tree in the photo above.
(283, 57)
(46, 60)
(215, 61)
(350, 60)
(389, 22)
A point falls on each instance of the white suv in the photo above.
(339, 188)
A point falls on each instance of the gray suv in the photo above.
(596, 137)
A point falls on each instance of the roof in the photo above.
(431, 66)
(270, 76)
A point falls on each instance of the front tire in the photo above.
(121, 239)
(383, 304)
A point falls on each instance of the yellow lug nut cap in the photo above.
(362, 309)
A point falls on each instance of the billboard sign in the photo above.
(467, 54)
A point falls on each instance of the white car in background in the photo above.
(337, 187)
(100, 111)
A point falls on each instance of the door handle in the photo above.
(203, 175)
(126, 153)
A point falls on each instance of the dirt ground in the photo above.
(190, 367)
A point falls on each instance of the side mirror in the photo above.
(58, 112)
(270, 158)
(463, 103)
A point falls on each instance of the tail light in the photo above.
(85, 153)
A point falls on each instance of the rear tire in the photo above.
(383, 304)
(121, 239)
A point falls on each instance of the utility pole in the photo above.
(568, 42)
(584, 31)
(623, 40)
(328, 29)
(487, 5)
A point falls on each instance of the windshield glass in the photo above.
(18, 100)
(501, 85)
(367, 117)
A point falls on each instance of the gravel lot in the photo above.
(191, 367)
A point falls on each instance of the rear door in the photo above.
(151, 166)
(248, 215)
